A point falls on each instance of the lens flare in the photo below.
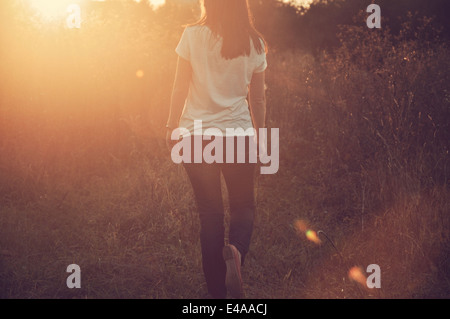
(312, 236)
(139, 74)
(302, 227)
(356, 273)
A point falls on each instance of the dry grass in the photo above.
(85, 177)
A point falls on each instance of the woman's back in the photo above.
(219, 86)
(221, 61)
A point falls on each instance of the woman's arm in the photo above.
(179, 92)
(258, 100)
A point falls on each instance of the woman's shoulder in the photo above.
(197, 33)
(195, 28)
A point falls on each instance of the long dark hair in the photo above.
(232, 21)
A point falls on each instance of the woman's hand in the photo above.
(262, 143)
(169, 142)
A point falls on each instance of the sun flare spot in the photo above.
(356, 274)
(139, 74)
(312, 236)
(302, 227)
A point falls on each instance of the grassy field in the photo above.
(85, 177)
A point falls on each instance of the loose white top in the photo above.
(218, 89)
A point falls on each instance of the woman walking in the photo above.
(221, 63)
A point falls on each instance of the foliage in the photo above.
(85, 177)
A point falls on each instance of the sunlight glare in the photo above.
(155, 3)
(304, 3)
(51, 9)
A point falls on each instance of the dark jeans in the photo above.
(206, 183)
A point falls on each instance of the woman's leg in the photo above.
(205, 180)
(240, 184)
(240, 178)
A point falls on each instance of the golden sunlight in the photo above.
(155, 3)
(51, 9)
(55, 9)
(304, 3)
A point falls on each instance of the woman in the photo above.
(221, 62)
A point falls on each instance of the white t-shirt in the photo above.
(219, 87)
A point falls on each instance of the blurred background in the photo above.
(85, 177)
